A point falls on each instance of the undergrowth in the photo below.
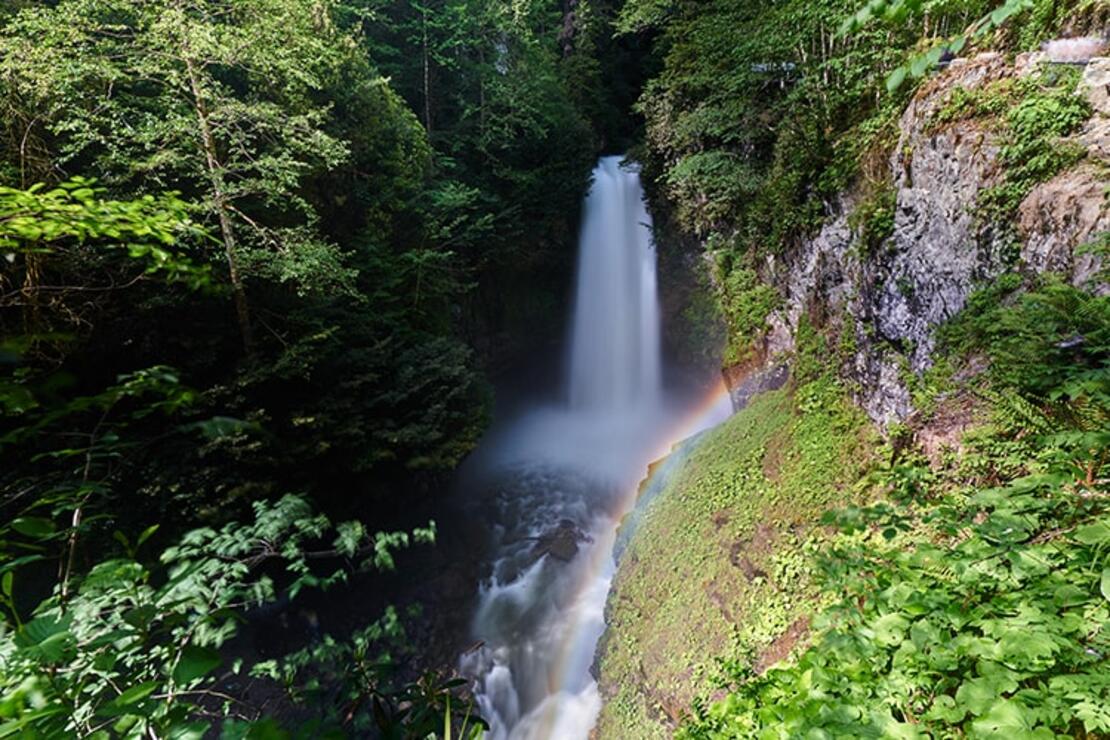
(1040, 111)
(971, 600)
(745, 302)
(728, 544)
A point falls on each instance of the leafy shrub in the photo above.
(985, 618)
(974, 600)
(746, 302)
(1041, 112)
(873, 219)
(134, 650)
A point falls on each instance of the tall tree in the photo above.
(218, 98)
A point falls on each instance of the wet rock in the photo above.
(1074, 50)
(561, 542)
(1095, 85)
(750, 385)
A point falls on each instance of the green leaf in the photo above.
(127, 699)
(919, 64)
(896, 78)
(16, 726)
(1094, 534)
(1105, 585)
(146, 534)
(33, 526)
(1005, 719)
(945, 708)
(195, 662)
(890, 629)
(45, 639)
(188, 731)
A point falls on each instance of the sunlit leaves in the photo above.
(77, 215)
(195, 662)
(140, 646)
(897, 11)
(126, 80)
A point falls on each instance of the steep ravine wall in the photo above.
(893, 298)
(712, 561)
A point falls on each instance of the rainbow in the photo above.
(710, 410)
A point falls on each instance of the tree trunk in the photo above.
(427, 75)
(219, 199)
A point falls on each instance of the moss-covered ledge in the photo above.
(714, 567)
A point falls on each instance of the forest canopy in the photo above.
(258, 259)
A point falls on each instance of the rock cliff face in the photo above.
(892, 298)
(721, 528)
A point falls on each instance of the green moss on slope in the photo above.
(716, 571)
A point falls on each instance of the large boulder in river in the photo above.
(561, 542)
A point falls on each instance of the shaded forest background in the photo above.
(261, 260)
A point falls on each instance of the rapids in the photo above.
(559, 477)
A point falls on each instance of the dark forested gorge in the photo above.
(259, 259)
(267, 268)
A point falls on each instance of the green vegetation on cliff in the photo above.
(764, 113)
(973, 599)
(716, 571)
(952, 580)
(793, 578)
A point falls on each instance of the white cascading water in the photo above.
(559, 478)
(614, 359)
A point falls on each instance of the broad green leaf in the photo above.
(45, 639)
(1006, 719)
(195, 662)
(890, 629)
(1094, 534)
(945, 708)
(33, 526)
(896, 78)
(125, 701)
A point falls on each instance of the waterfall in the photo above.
(614, 360)
(555, 481)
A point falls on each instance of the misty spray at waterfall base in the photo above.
(558, 478)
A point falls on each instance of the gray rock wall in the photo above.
(894, 299)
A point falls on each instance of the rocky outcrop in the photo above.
(746, 383)
(1061, 216)
(560, 542)
(892, 298)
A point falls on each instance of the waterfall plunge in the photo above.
(573, 468)
(614, 360)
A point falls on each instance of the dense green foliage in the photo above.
(973, 600)
(764, 113)
(254, 247)
(134, 651)
(965, 595)
(248, 248)
(1038, 114)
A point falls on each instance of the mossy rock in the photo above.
(715, 569)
